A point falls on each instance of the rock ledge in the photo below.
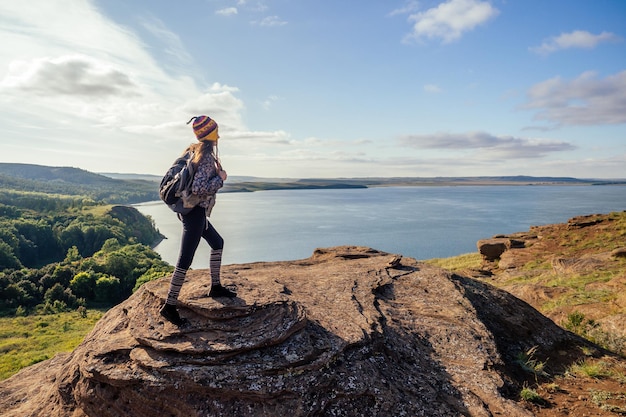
(350, 331)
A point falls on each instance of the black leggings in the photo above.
(195, 226)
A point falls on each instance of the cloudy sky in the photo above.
(313, 88)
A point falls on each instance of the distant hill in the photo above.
(74, 181)
(59, 174)
(249, 183)
(231, 178)
(146, 177)
(134, 188)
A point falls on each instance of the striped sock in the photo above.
(215, 265)
(176, 283)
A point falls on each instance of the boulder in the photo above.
(350, 331)
(492, 249)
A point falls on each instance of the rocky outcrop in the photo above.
(492, 249)
(350, 331)
(573, 267)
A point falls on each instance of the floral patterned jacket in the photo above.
(206, 183)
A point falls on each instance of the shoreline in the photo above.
(320, 184)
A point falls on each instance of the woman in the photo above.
(208, 179)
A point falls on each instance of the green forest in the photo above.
(68, 240)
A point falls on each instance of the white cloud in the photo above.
(575, 39)
(173, 45)
(70, 75)
(262, 138)
(585, 100)
(451, 19)
(221, 104)
(410, 7)
(89, 93)
(37, 29)
(432, 88)
(267, 103)
(270, 21)
(228, 11)
(257, 7)
(490, 145)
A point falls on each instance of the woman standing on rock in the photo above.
(208, 179)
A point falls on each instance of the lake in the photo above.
(418, 222)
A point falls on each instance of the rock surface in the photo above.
(350, 331)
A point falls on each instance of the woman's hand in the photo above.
(223, 175)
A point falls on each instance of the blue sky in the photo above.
(314, 88)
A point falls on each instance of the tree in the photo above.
(37, 241)
(62, 274)
(72, 255)
(108, 289)
(155, 272)
(84, 285)
(31, 293)
(14, 295)
(110, 245)
(8, 260)
(55, 293)
(58, 293)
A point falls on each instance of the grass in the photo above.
(537, 265)
(530, 395)
(529, 363)
(574, 298)
(613, 341)
(98, 210)
(457, 263)
(590, 368)
(25, 341)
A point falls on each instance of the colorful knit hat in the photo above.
(204, 127)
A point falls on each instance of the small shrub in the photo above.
(599, 397)
(588, 351)
(59, 306)
(611, 341)
(603, 400)
(590, 369)
(590, 330)
(530, 395)
(552, 387)
(529, 363)
(574, 321)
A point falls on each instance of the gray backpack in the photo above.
(176, 181)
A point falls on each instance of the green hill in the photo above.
(75, 182)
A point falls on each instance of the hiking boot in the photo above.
(170, 313)
(220, 291)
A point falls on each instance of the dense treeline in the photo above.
(42, 228)
(59, 252)
(104, 279)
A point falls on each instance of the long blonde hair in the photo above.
(200, 149)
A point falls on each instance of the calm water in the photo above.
(419, 222)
